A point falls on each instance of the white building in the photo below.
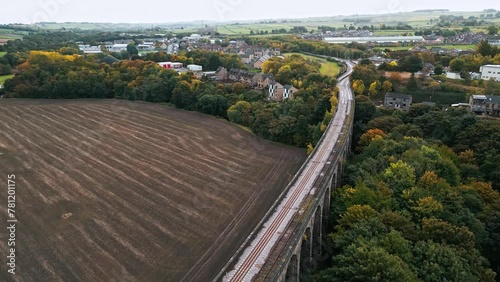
(490, 71)
(87, 49)
(170, 65)
(374, 39)
(195, 68)
(119, 47)
(453, 75)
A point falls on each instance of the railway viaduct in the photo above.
(291, 238)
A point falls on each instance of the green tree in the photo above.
(240, 113)
(439, 262)
(132, 50)
(438, 70)
(367, 263)
(485, 49)
(492, 30)
(412, 83)
(399, 176)
(213, 105)
(412, 63)
(445, 60)
(457, 65)
(385, 123)
(365, 110)
(238, 88)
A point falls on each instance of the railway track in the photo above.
(256, 252)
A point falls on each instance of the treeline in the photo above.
(419, 203)
(44, 41)
(299, 122)
(293, 44)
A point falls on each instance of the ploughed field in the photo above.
(122, 191)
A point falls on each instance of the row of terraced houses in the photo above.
(275, 91)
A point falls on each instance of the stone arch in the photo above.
(326, 210)
(317, 231)
(306, 261)
(333, 183)
(292, 271)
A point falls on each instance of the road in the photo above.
(255, 255)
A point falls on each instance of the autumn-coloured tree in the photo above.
(374, 87)
(359, 87)
(387, 86)
(370, 136)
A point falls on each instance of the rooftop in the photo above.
(479, 97)
(392, 39)
(492, 66)
(492, 99)
(398, 95)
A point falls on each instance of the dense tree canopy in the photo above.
(418, 208)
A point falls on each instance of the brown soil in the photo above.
(154, 193)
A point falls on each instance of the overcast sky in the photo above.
(161, 11)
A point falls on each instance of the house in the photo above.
(246, 58)
(242, 76)
(276, 91)
(490, 71)
(378, 60)
(397, 101)
(428, 69)
(195, 68)
(439, 50)
(454, 52)
(492, 105)
(211, 75)
(173, 48)
(289, 91)
(433, 39)
(264, 80)
(485, 104)
(453, 75)
(258, 64)
(222, 74)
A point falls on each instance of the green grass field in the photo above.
(11, 34)
(4, 78)
(327, 68)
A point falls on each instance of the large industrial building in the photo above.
(375, 39)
